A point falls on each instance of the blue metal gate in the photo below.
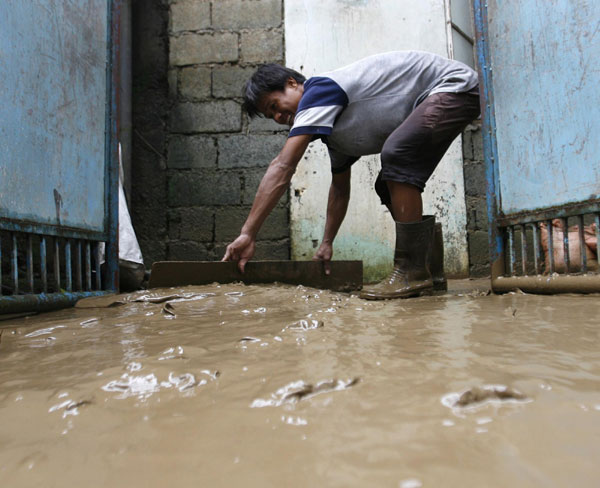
(58, 151)
(539, 69)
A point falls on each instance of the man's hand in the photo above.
(240, 250)
(273, 185)
(324, 253)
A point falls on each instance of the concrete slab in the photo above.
(345, 275)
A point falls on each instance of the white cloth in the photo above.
(129, 248)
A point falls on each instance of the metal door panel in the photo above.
(546, 64)
(538, 66)
(59, 120)
(53, 112)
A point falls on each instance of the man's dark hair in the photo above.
(267, 78)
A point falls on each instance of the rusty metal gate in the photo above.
(58, 151)
(539, 69)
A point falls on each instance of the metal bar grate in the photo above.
(15, 266)
(88, 267)
(32, 264)
(582, 246)
(68, 273)
(553, 246)
(78, 268)
(43, 265)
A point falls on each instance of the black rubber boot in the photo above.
(411, 275)
(437, 260)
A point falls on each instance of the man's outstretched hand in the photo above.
(324, 253)
(240, 250)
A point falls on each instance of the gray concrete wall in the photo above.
(215, 155)
(150, 109)
(475, 199)
(200, 158)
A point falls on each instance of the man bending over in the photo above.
(408, 106)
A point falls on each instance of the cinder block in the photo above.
(477, 137)
(477, 213)
(189, 152)
(150, 145)
(173, 219)
(479, 270)
(187, 15)
(479, 250)
(252, 178)
(229, 222)
(194, 83)
(273, 249)
(172, 78)
(277, 225)
(191, 48)
(262, 46)
(241, 151)
(206, 188)
(220, 248)
(153, 248)
(192, 224)
(262, 124)
(264, 249)
(467, 144)
(245, 14)
(190, 251)
(220, 116)
(475, 182)
(228, 81)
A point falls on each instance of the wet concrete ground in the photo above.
(290, 386)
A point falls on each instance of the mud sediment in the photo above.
(436, 390)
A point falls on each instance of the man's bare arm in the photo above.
(272, 187)
(275, 182)
(337, 205)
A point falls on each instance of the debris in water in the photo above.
(213, 375)
(243, 340)
(115, 300)
(169, 310)
(78, 404)
(162, 299)
(299, 390)
(480, 395)
(89, 322)
(304, 325)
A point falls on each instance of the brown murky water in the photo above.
(288, 386)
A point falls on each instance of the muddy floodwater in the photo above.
(283, 386)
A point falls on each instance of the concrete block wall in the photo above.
(215, 156)
(475, 198)
(150, 112)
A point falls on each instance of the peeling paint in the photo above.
(54, 60)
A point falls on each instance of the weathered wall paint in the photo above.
(325, 34)
(52, 135)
